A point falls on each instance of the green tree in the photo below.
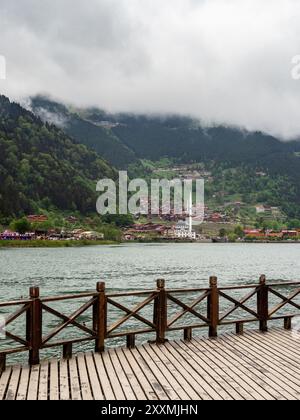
(294, 224)
(21, 225)
(232, 237)
(259, 224)
(239, 232)
(120, 220)
(222, 233)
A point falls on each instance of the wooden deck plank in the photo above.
(113, 378)
(54, 380)
(168, 371)
(123, 379)
(94, 380)
(33, 385)
(272, 347)
(181, 371)
(85, 387)
(13, 385)
(268, 373)
(265, 381)
(74, 379)
(139, 376)
(142, 369)
(291, 351)
(288, 338)
(251, 371)
(153, 370)
(273, 344)
(4, 381)
(43, 382)
(210, 380)
(23, 385)
(270, 368)
(104, 379)
(64, 385)
(128, 371)
(229, 381)
(267, 362)
(290, 344)
(268, 389)
(246, 384)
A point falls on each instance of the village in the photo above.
(41, 233)
(216, 227)
(226, 217)
(181, 231)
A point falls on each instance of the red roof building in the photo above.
(37, 218)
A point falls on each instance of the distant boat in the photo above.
(220, 240)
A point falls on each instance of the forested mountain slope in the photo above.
(42, 167)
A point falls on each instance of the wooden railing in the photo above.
(210, 308)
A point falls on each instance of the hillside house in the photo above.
(33, 218)
(254, 233)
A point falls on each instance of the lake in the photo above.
(136, 267)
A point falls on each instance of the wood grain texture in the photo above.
(252, 366)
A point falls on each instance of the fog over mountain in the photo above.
(223, 61)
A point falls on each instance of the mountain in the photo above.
(96, 135)
(126, 139)
(42, 167)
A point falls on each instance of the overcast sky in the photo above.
(219, 60)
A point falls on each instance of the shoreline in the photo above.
(54, 244)
(85, 243)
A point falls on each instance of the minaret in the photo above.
(190, 207)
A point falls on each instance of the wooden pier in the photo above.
(257, 364)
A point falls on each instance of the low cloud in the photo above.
(223, 61)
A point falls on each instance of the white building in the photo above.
(260, 209)
(183, 231)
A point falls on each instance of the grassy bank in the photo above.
(53, 244)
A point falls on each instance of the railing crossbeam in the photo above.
(286, 301)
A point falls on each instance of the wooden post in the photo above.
(34, 326)
(2, 363)
(130, 341)
(161, 312)
(239, 328)
(100, 318)
(213, 307)
(188, 334)
(263, 304)
(67, 351)
(288, 323)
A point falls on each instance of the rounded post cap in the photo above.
(34, 292)
(161, 283)
(100, 286)
(213, 281)
(262, 279)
